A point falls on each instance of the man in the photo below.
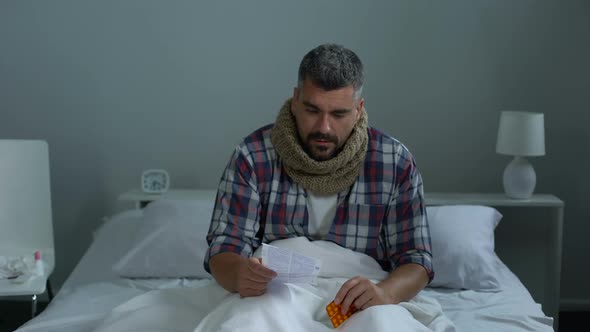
(322, 173)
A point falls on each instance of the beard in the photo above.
(321, 152)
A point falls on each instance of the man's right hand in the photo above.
(237, 274)
(253, 277)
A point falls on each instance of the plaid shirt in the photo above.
(382, 214)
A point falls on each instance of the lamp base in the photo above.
(519, 179)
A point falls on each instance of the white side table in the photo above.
(32, 287)
(526, 208)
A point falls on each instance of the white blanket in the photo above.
(285, 307)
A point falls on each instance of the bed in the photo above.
(143, 272)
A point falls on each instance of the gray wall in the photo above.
(116, 87)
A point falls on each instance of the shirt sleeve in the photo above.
(235, 221)
(408, 231)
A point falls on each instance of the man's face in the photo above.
(324, 119)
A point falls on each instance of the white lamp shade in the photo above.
(521, 134)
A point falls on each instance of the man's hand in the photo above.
(362, 293)
(401, 285)
(253, 277)
(237, 274)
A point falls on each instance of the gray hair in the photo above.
(332, 67)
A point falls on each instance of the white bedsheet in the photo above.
(93, 290)
(512, 309)
(285, 307)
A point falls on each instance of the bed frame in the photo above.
(528, 238)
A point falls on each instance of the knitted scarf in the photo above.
(321, 177)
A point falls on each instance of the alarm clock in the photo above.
(155, 181)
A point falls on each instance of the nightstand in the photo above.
(32, 287)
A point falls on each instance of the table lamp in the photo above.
(520, 134)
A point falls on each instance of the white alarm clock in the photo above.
(155, 181)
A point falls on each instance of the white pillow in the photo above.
(171, 241)
(463, 247)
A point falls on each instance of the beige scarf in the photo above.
(321, 177)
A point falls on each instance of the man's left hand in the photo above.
(362, 293)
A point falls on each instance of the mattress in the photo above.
(93, 289)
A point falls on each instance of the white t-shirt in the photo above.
(321, 210)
